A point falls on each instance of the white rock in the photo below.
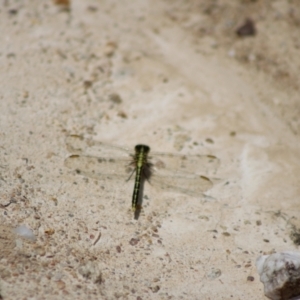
(25, 232)
(280, 274)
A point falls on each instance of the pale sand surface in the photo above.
(170, 74)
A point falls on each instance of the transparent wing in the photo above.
(100, 167)
(164, 163)
(77, 144)
(192, 185)
(120, 169)
(170, 172)
(177, 164)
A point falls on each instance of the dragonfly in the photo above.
(169, 172)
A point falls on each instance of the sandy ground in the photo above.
(170, 74)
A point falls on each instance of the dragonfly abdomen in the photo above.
(141, 162)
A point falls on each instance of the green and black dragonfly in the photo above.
(170, 172)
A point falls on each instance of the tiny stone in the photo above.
(247, 29)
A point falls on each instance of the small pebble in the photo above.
(25, 232)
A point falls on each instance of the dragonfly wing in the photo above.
(191, 185)
(77, 144)
(100, 167)
(174, 164)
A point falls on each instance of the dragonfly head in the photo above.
(142, 148)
